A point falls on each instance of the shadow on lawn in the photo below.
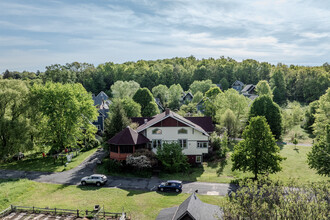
(34, 164)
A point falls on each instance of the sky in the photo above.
(38, 33)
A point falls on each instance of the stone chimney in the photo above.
(167, 111)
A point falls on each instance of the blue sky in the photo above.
(38, 33)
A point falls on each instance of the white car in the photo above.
(97, 179)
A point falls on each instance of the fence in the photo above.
(95, 214)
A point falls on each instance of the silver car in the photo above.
(97, 179)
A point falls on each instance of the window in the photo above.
(202, 144)
(114, 149)
(198, 159)
(156, 143)
(183, 143)
(157, 131)
(126, 149)
(182, 131)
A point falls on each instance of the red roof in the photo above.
(128, 137)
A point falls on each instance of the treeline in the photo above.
(303, 84)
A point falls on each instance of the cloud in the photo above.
(36, 33)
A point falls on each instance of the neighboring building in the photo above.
(192, 133)
(237, 85)
(200, 106)
(192, 209)
(186, 98)
(250, 92)
(102, 103)
(125, 143)
(159, 104)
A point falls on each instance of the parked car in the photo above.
(97, 179)
(171, 185)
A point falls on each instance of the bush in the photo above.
(113, 165)
(138, 162)
(274, 201)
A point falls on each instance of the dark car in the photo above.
(171, 185)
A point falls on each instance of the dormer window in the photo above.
(182, 131)
(157, 131)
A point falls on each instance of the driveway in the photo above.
(73, 177)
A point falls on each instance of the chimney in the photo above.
(145, 120)
(167, 111)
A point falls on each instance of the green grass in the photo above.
(46, 164)
(294, 168)
(139, 204)
(302, 136)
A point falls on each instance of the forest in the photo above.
(301, 83)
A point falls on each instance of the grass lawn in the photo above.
(302, 136)
(139, 204)
(294, 167)
(46, 164)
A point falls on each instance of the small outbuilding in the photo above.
(191, 209)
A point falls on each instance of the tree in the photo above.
(201, 86)
(148, 105)
(224, 84)
(161, 92)
(257, 152)
(228, 121)
(322, 116)
(15, 125)
(263, 88)
(175, 94)
(116, 121)
(122, 89)
(279, 87)
(131, 108)
(264, 106)
(310, 116)
(188, 110)
(319, 157)
(213, 92)
(67, 112)
(197, 97)
(172, 158)
(210, 96)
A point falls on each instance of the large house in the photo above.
(250, 91)
(237, 85)
(192, 133)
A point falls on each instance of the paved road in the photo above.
(73, 177)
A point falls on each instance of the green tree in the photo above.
(210, 96)
(131, 108)
(175, 94)
(224, 84)
(67, 112)
(116, 121)
(228, 121)
(201, 86)
(257, 152)
(264, 106)
(279, 86)
(122, 89)
(188, 110)
(148, 105)
(161, 92)
(319, 157)
(310, 116)
(263, 88)
(213, 92)
(197, 97)
(172, 158)
(15, 125)
(322, 116)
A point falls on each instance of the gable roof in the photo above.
(194, 207)
(128, 137)
(98, 100)
(204, 122)
(157, 100)
(164, 115)
(248, 88)
(186, 94)
(237, 82)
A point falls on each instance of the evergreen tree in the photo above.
(279, 87)
(263, 88)
(116, 121)
(264, 106)
(319, 157)
(257, 152)
(148, 105)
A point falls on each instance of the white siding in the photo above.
(171, 134)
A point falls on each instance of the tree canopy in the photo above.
(122, 89)
(148, 105)
(257, 152)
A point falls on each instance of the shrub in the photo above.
(113, 165)
(138, 162)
